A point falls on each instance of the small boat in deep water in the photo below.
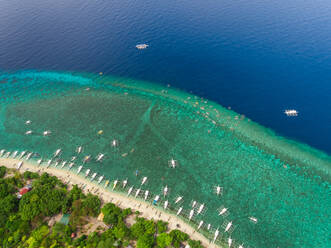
(141, 46)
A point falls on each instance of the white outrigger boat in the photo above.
(79, 149)
(29, 156)
(19, 165)
(28, 122)
(216, 235)
(28, 132)
(87, 172)
(222, 211)
(166, 203)
(178, 199)
(194, 203)
(179, 210)
(200, 224)
(191, 214)
(49, 163)
(14, 154)
(146, 195)
(79, 169)
(208, 227)
(100, 179)
(100, 157)
(229, 241)
(253, 219)
(241, 246)
(22, 155)
(57, 152)
(201, 208)
(125, 182)
(137, 192)
(39, 162)
(218, 190)
(93, 176)
(47, 132)
(2, 152)
(7, 154)
(115, 183)
(165, 191)
(130, 190)
(63, 164)
(228, 226)
(172, 163)
(56, 163)
(114, 143)
(143, 180)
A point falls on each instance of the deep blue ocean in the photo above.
(259, 57)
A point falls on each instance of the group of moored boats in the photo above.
(177, 205)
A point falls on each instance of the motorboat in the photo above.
(141, 46)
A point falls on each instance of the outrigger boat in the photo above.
(71, 165)
(146, 194)
(200, 224)
(100, 179)
(179, 210)
(201, 208)
(125, 183)
(63, 164)
(144, 180)
(156, 199)
(57, 152)
(100, 157)
(191, 214)
(49, 163)
(172, 163)
(29, 156)
(19, 165)
(178, 199)
(215, 235)
(165, 190)
(22, 155)
(14, 154)
(47, 132)
(229, 241)
(107, 182)
(137, 192)
(222, 211)
(87, 172)
(253, 219)
(79, 169)
(115, 183)
(166, 203)
(94, 175)
(2, 152)
(130, 190)
(7, 154)
(228, 226)
(28, 132)
(194, 203)
(39, 162)
(79, 149)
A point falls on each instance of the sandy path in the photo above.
(147, 210)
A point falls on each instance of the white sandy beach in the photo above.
(147, 210)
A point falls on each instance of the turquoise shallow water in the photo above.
(284, 184)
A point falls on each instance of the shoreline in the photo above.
(146, 210)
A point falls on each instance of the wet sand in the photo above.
(147, 210)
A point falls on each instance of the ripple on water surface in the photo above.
(284, 184)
